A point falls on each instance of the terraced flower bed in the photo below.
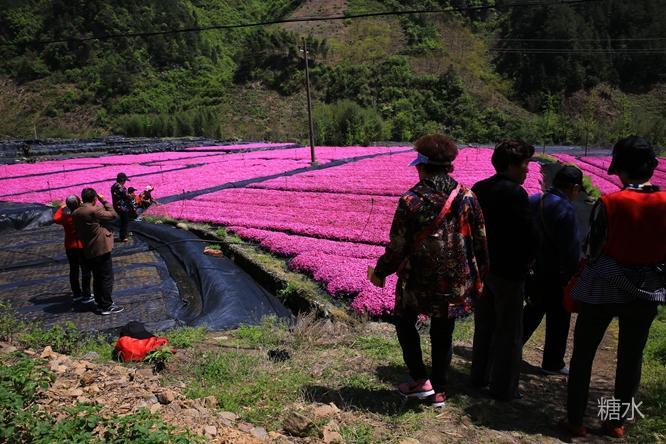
(331, 221)
(597, 169)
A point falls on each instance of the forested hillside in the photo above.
(588, 72)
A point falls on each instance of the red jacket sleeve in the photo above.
(59, 217)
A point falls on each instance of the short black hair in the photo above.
(510, 152)
(568, 176)
(88, 195)
(635, 157)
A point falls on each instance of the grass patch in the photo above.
(247, 385)
(98, 344)
(62, 338)
(590, 189)
(158, 219)
(185, 337)
(358, 434)
(544, 158)
(652, 428)
(268, 334)
(379, 347)
(67, 339)
(464, 330)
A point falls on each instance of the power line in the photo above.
(295, 20)
(637, 39)
(578, 51)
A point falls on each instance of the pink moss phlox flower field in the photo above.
(332, 223)
(344, 217)
(597, 169)
(162, 170)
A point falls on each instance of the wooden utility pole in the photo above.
(307, 90)
(587, 135)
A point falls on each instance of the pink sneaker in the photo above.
(438, 400)
(416, 389)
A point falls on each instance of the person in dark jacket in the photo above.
(74, 250)
(626, 255)
(123, 204)
(556, 262)
(498, 313)
(438, 249)
(89, 220)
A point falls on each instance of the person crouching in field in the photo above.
(623, 277)
(556, 262)
(438, 250)
(145, 199)
(498, 313)
(89, 220)
(74, 251)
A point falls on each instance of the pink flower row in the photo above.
(215, 170)
(341, 266)
(347, 276)
(302, 154)
(12, 187)
(390, 175)
(322, 215)
(597, 169)
(658, 178)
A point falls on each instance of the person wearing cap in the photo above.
(74, 251)
(122, 204)
(89, 222)
(556, 262)
(625, 255)
(437, 247)
(498, 313)
(145, 199)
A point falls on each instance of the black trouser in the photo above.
(549, 303)
(78, 262)
(441, 331)
(635, 320)
(124, 217)
(102, 271)
(498, 336)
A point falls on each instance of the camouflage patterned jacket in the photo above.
(443, 274)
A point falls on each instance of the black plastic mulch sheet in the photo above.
(229, 296)
(34, 279)
(17, 216)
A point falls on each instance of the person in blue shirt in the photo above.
(556, 262)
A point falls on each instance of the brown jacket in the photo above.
(88, 219)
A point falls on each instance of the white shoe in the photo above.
(87, 300)
(112, 310)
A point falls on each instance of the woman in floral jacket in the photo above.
(438, 249)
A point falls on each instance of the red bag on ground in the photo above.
(570, 304)
(131, 349)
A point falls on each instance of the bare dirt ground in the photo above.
(319, 8)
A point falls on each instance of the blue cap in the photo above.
(424, 160)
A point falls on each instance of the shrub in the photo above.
(347, 123)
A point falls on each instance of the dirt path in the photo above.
(533, 418)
